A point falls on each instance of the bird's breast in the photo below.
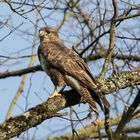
(44, 64)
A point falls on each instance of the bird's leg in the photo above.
(96, 122)
(55, 92)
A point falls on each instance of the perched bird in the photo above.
(67, 68)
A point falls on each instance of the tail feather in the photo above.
(92, 97)
(100, 99)
(89, 99)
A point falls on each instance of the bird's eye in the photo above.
(48, 32)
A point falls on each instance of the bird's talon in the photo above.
(54, 94)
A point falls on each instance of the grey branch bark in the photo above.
(34, 116)
(127, 116)
(20, 72)
(91, 131)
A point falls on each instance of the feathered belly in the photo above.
(56, 77)
(44, 64)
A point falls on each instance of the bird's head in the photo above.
(48, 34)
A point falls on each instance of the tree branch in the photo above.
(20, 72)
(119, 80)
(34, 116)
(128, 17)
(90, 58)
(116, 56)
(127, 116)
(112, 39)
(92, 130)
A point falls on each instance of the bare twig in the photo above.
(112, 39)
(115, 56)
(127, 116)
(89, 58)
(20, 72)
(127, 17)
(23, 81)
(93, 130)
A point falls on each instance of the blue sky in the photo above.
(38, 85)
(17, 44)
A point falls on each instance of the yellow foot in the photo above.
(96, 122)
(55, 93)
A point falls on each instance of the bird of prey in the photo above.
(66, 68)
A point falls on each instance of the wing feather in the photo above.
(68, 62)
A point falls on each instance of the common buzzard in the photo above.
(67, 68)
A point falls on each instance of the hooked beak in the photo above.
(41, 33)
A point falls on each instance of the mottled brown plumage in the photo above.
(65, 67)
